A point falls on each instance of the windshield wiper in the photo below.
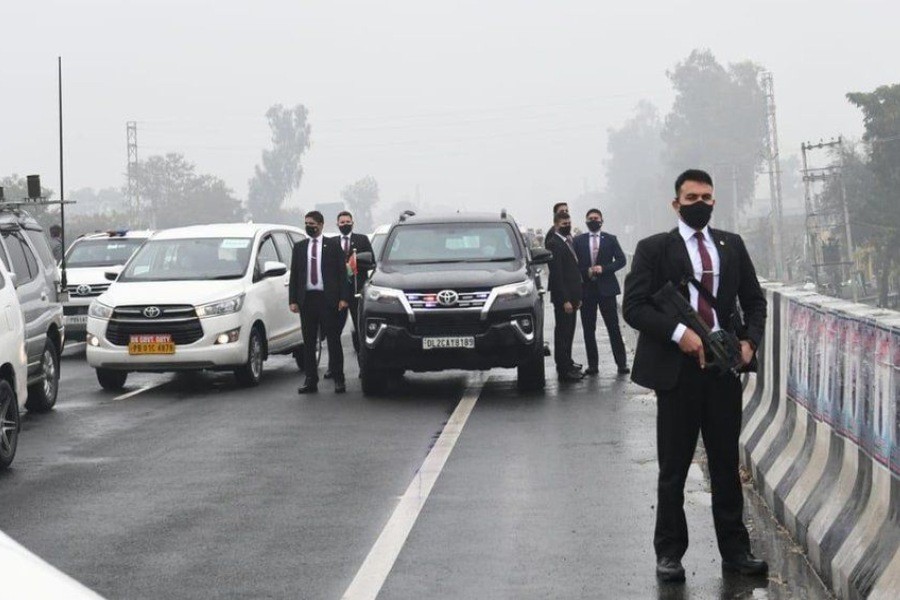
(431, 262)
(491, 260)
(218, 277)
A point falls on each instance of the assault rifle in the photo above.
(722, 348)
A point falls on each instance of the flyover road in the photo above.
(191, 487)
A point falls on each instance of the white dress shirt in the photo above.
(319, 287)
(687, 234)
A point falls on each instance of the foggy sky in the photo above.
(490, 103)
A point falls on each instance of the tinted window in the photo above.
(267, 252)
(42, 247)
(200, 259)
(18, 257)
(30, 258)
(4, 257)
(285, 247)
(452, 242)
(107, 252)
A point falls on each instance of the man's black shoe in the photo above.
(327, 374)
(571, 375)
(340, 387)
(308, 388)
(669, 570)
(746, 564)
(624, 370)
(592, 371)
(577, 366)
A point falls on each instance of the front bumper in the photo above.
(75, 315)
(202, 354)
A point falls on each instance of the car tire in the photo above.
(250, 373)
(42, 396)
(9, 424)
(112, 380)
(531, 375)
(374, 380)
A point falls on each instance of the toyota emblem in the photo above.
(83, 290)
(448, 298)
(151, 312)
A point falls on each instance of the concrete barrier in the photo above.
(821, 436)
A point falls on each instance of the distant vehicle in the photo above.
(456, 292)
(378, 237)
(13, 368)
(204, 297)
(87, 261)
(25, 252)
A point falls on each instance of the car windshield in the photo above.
(378, 240)
(107, 252)
(452, 242)
(199, 259)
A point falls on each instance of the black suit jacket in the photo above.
(334, 272)
(609, 256)
(565, 278)
(358, 243)
(664, 257)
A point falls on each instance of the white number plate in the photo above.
(75, 320)
(442, 343)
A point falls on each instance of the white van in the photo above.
(203, 297)
(13, 367)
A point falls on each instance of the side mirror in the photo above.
(272, 268)
(541, 256)
(365, 260)
(113, 273)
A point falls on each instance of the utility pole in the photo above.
(134, 193)
(825, 224)
(774, 163)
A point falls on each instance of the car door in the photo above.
(33, 297)
(271, 290)
(285, 245)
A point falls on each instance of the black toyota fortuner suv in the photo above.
(455, 292)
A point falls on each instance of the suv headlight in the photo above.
(100, 311)
(383, 295)
(514, 291)
(222, 307)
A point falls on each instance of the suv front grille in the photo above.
(431, 299)
(86, 291)
(180, 322)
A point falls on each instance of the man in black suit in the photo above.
(319, 291)
(599, 257)
(565, 293)
(670, 360)
(352, 243)
(557, 208)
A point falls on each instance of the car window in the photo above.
(17, 256)
(5, 258)
(101, 252)
(42, 247)
(267, 252)
(201, 259)
(285, 247)
(452, 242)
(296, 237)
(30, 258)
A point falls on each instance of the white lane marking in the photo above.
(140, 390)
(378, 564)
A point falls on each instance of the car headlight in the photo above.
(222, 307)
(514, 291)
(100, 311)
(383, 295)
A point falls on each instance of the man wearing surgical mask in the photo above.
(670, 359)
(351, 244)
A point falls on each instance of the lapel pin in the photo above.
(721, 242)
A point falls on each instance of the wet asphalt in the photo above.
(196, 488)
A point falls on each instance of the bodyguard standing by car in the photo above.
(565, 293)
(319, 291)
(670, 360)
(599, 257)
(351, 244)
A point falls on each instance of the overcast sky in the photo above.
(485, 103)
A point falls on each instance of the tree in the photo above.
(360, 198)
(879, 209)
(15, 189)
(638, 196)
(178, 196)
(718, 122)
(281, 170)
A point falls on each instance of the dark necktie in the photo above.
(346, 246)
(706, 280)
(595, 248)
(314, 263)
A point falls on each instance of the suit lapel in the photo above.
(723, 249)
(679, 254)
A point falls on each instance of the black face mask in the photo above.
(594, 226)
(695, 215)
(564, 231)
(312, 231)
(345, 229)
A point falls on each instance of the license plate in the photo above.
(75, 320)
(151, 344)
(446, 343)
